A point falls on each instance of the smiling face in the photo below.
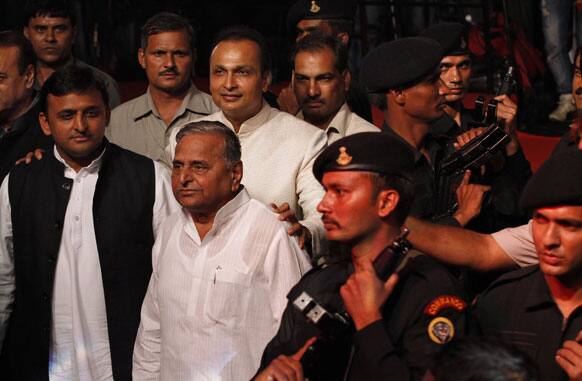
(237, 80)
(77, 124)
(168, 60)
(455, 75)
(319, 87)
(51, 37)
(202, 180)
(557, 234)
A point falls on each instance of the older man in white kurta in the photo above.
(219, 283)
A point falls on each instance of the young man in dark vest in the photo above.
(76, 236)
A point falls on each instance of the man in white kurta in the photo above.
(216, 295)
(278, 149)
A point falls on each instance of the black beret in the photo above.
(368, 152)
(451, 36)
(399, 63)
(321, 10)
(557, 182)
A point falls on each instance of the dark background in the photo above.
(109, 29)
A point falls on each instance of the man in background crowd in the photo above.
(167, 55)
(51, 29)
(321, 80)
(20, 130)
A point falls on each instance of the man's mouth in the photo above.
(231, 97)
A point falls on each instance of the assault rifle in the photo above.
(476, 152)
(335, 326)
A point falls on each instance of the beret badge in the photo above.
(314, 7)
(343, 157)
(463, 43)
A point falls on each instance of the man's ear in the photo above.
(25, 32)
(44, 124)
(347, 75)
(343, 37)
(141, 58)
(387, 201)
(267, 78)
(29, 75)
(236, 173)
(399, 96)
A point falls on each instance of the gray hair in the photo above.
(232, 151)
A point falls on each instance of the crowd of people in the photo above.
(239, 235)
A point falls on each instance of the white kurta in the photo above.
(213, 305)
(79, 346)
(278, 151)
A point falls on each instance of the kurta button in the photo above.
(45, 297)
(58, 225)
(66, 186)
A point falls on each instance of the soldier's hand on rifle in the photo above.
(469, 199)
(286, 368)
(364, 293)
(507, 113)
(467, 136)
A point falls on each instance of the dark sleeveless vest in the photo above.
(122, 216)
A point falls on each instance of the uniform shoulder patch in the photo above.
(441, 330)
(442, 302)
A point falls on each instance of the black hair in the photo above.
(167, 22)
(49, 8)
(245, 33)
(71, 79)
(318, 41)
(481, 359)
(26, 56)
(402, 185)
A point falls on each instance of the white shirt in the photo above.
(345, 123)
(79, 347)
(518, 244)
(278, 151)
(212, 305)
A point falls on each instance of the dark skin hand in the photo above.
(37, 154)
(296, 230)
(286, 368)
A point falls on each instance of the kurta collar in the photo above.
(93, 167)
(252, 123)
(222, 216)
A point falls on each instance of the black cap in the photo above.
(368, 152)
(557, 182)
(451, 36)
(399, 63)
(320, 10)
